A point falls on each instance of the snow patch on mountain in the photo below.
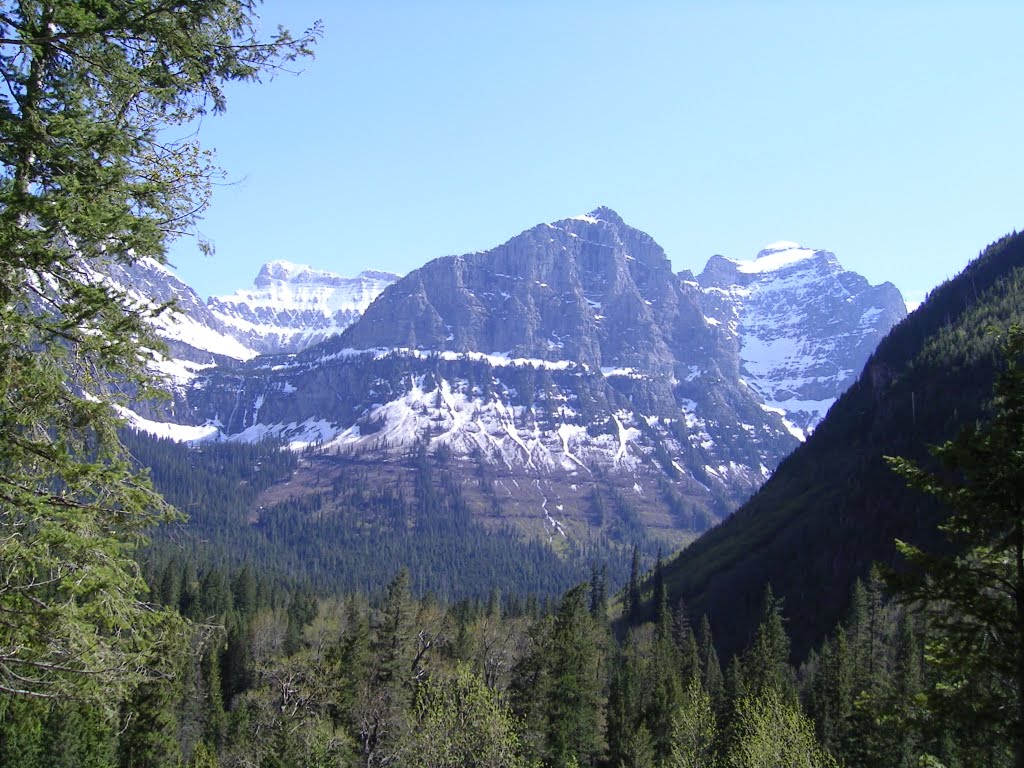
(195, 337)
(775, 257)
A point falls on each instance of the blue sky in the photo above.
(889, 133)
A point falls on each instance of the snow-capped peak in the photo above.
(280, 270)
(776, 256)
(292, 305)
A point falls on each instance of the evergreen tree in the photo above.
(766, 662)
(76, 735)
(90, 179)
(150, 716)
(710, 669)
(665, 683)
(599, 592)
(660, 595)
(631, 601)
(640, 751)
(686, 643)
(573, 698)
(623, 702)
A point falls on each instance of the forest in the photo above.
(123, 644)
(258, 675)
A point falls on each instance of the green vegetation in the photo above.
(91, 175)
(974, 594)
(274, 678)
(255, 648)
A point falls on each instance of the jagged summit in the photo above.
(804, 324)
(602, 213)
(569, 352)
(586, 289)
(282, 271)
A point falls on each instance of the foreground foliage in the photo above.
(275, 678)
(91, 175)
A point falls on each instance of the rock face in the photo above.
(293, 306)
(805, 326)
(588, 289)
(583, 388)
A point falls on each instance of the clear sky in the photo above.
(890, 133)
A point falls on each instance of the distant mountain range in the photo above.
(584, 387)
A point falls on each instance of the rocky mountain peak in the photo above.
(586, 289)
(278, 271)
(292, 306)
(603, 213)
(805, 326)
(569, 352)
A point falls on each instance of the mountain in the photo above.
(292, 306)
(196, 338)
(833, 507)
(579, 385)
(805, 325)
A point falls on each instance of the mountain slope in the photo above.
(580, 386)
(196, 338)
(833, 506)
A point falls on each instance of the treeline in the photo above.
(264, 677)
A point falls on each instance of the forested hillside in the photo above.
(339, 525)
(834, 506)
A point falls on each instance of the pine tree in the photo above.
(573, 697)
(766, 662)
(631, 604)
(599, 592)
(711, 677)
(90, 179)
